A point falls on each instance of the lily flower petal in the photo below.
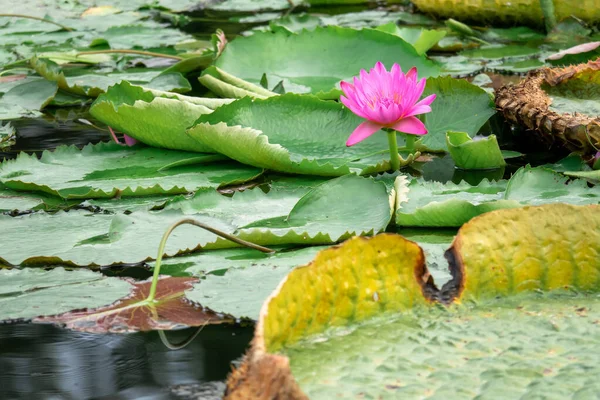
(410, 125)
(362, 132)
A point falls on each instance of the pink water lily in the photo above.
(386, 100)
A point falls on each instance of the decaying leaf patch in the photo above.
(528, 104)
(169, 310)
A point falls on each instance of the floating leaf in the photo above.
(107, 170)
(339, 49)
(291, 133)
(313, 220)
(421, 39)
(459, 106)
(546, 247)
(169, 310)
(421, 203)
(94, 84)
(242, 278)
(153, 117)
(478, 153)
(592, 176)
(337, 332)
(248, 206)
(345, 284)
(83, 238)
(26, 99)
(14, 201)
(103, 239)
(536, 186)
(31, 292)
(485, 350)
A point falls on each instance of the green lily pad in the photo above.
(421, 39)
(339, 49)
(103, 239)
(141, 36)
(291, 133)
(536, 186)
(248, 206)
(481, 153)
(245, 278)
(93, 85)
(32, 292)
(501, 51)
(107, 169)
(313, 220)
(153, 117)
(417, 354)
(421, 203)
(86, 239)
(14, 201)
(592, 176)
(459, 106)
(26, 99)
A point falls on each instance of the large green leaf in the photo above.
(84, 238)
(459, 106)
(153, 117)
(31, 292)
(107, 169)
(248, 206)
(243, 278)
(94, 84)
(342, 53)
(526, 347)
(238, 281)
(358, 321)
(15, 201)
(421, 203)
(536, 186)
(315, 220)
(291, 133)
(26, 99)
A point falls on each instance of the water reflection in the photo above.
(45, 362)
(57, 127)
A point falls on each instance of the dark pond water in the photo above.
(43, 362)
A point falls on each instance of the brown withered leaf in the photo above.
(170, 310)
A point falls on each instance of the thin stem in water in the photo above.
(394, 156)
(163, 242)
(66, 28)
(140, 52)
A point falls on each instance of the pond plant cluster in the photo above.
(403, 198)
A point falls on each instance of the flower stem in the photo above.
(66, 28)
(163, 242)
(139, 52)
(394, 156)
(410, 142)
